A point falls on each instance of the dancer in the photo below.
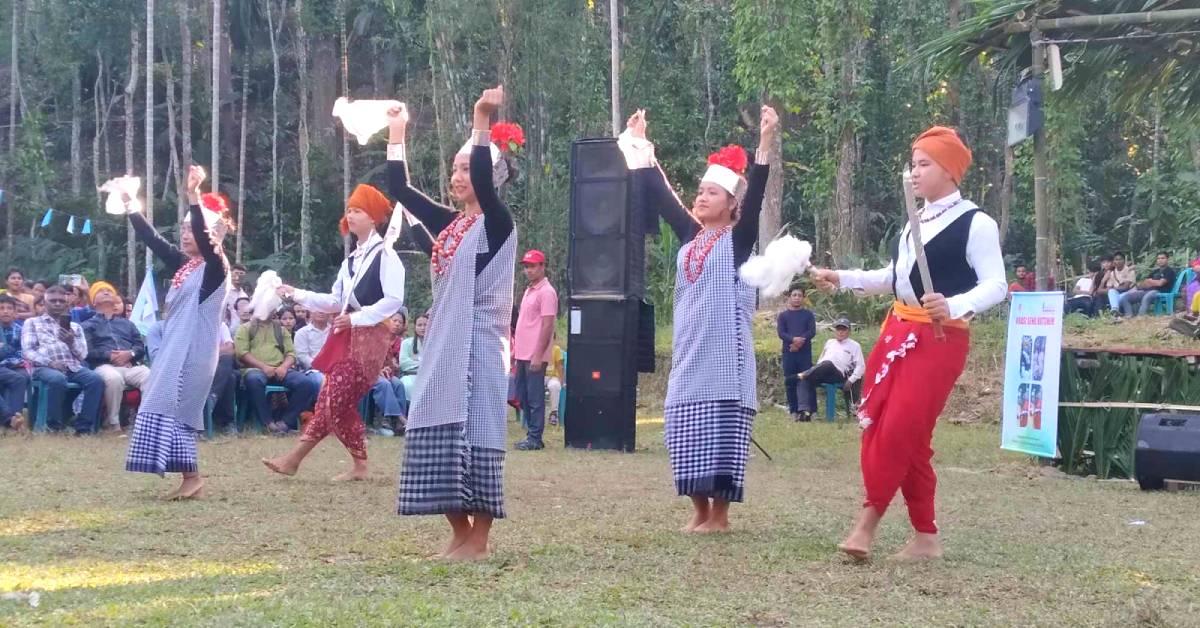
(711, 394)
(171, 413)
(911, 372)
(457, 430)
(369, 288)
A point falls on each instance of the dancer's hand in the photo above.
(342, 321)
(768, 125)
(195, 177)
(285, 292)
(827, 280)
(489, 102)
(637, 124)
(936, 306)
(397, 123)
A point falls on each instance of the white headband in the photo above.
(492, 148)
(724, 177)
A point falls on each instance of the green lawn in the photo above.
(591, 539)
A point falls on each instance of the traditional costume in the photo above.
(457, 433)
(910, 373)
(172, 408)
(370, 288)
(712, 396)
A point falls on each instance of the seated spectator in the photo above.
(1192, 296)
(230, 314)
(57, 348)
(242, 307)
(841, 362)
(13, 378)
(127, 308)
(410, 354)
(554, 378)
(115, 351)
(1083, 298)
(266, 353)
(302, 316)
(14, 285)
(39, 307)
(39, 289)
(1160, 280)
(1118, 281)
(388, 392)
(308, 343)
(224, 386)
(1025, 281)
(287, 318)
(85, 299)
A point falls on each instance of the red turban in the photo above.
(943, 145)
(371, 201)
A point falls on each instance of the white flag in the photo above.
(145, 308)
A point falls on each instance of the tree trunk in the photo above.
(187, 62)
(148, 177)
(241, 194)
(215, 133)
(97, 137)
(76, 131)
(305, 182)
(443, 176)
(771, 218)
(1006, 193)
(14, 90)
(344, 37)
(276, 225)
(130, 91)
(177, 164)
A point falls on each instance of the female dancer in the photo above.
(369, 288)
(457, 433)
(172, 409)
(711, 394)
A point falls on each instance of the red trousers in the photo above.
(345, 384)
(909, 376)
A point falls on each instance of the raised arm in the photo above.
(745, 232)
(215, 270)
(433, 214)
(497, 220)
(651, 191)
(167, 253)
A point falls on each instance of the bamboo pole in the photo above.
(615, 44)
(1042, 219)
(1112, 19)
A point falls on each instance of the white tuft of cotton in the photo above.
(265, 301)
(772, 272)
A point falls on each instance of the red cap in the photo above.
(534, 256)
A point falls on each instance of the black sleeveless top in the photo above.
(369, 289)
(947, 255)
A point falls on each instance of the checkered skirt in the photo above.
(442, 473)
(708, 443)
(161, 444)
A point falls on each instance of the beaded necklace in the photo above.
(448, 241)
(181, 275)
(934, 217)
(693, 262)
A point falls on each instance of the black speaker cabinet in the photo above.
(1168, 448)
(601, 373)
(607, 254)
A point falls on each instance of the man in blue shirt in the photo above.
(796, 327)
(13, 378)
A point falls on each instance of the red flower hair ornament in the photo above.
(726, 167)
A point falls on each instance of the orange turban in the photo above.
(944, 146)
(371, 201)
(97, 287)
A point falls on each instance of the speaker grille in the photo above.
(607, 255)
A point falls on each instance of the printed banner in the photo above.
(1030, 422)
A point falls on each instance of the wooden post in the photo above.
(1042, 242)
(615, 42)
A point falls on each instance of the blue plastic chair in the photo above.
(1165, 304)
(38, 393)
(244, 409)
(831, 395)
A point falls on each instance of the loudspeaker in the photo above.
(601, 373)
(1168, 448)
(607, 255)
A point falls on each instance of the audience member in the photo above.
(287, 318)
(56, 348)
(1190, 301)
(38, 289)
(85, 300)
(39, 307)
(1025, 281)
(232, 316)
(242, 307)
(1082, 299)
(13, 378)
(266, 353)
(796, 327)
(14, 283)
(554, 379)
(115, 350)
(311, 338)
(410, 354)
(388, 391)
(1118, 281)
(841, 362)
(223, 393)
(302, 316)
(532, 345)
(1160, 280)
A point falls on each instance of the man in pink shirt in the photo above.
(532, 345)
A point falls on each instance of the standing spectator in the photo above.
(841, 362)
(231, 314)
(1082, 299)
(13, 378)
(535, 329)
(1161, 279)
(1118, 281)
(796, 327)
(242, 307)
(410, 354)
(1190, 302)
(115, 352)
(56, 348)
(267, 354)
(14, 283)
(1025, 281)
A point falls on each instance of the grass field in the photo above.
(591, 539)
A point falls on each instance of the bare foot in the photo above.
(696, 521)
(469, 551)
(921, 547)
(712, 526)
(191, 488)
(451, 545)
(857, 545)
(352, 475)
(281, 465)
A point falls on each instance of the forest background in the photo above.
(846, 75)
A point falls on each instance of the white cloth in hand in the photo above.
(772, 272)
(363, 118)
(117, 189)
(639, 152)
(265, 301)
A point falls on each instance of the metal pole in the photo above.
(615, 42)
(1042, 243)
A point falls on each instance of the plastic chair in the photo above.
(562, 393)
(244, 408)
(831, 395)
(1165, 304)
(38, 392)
